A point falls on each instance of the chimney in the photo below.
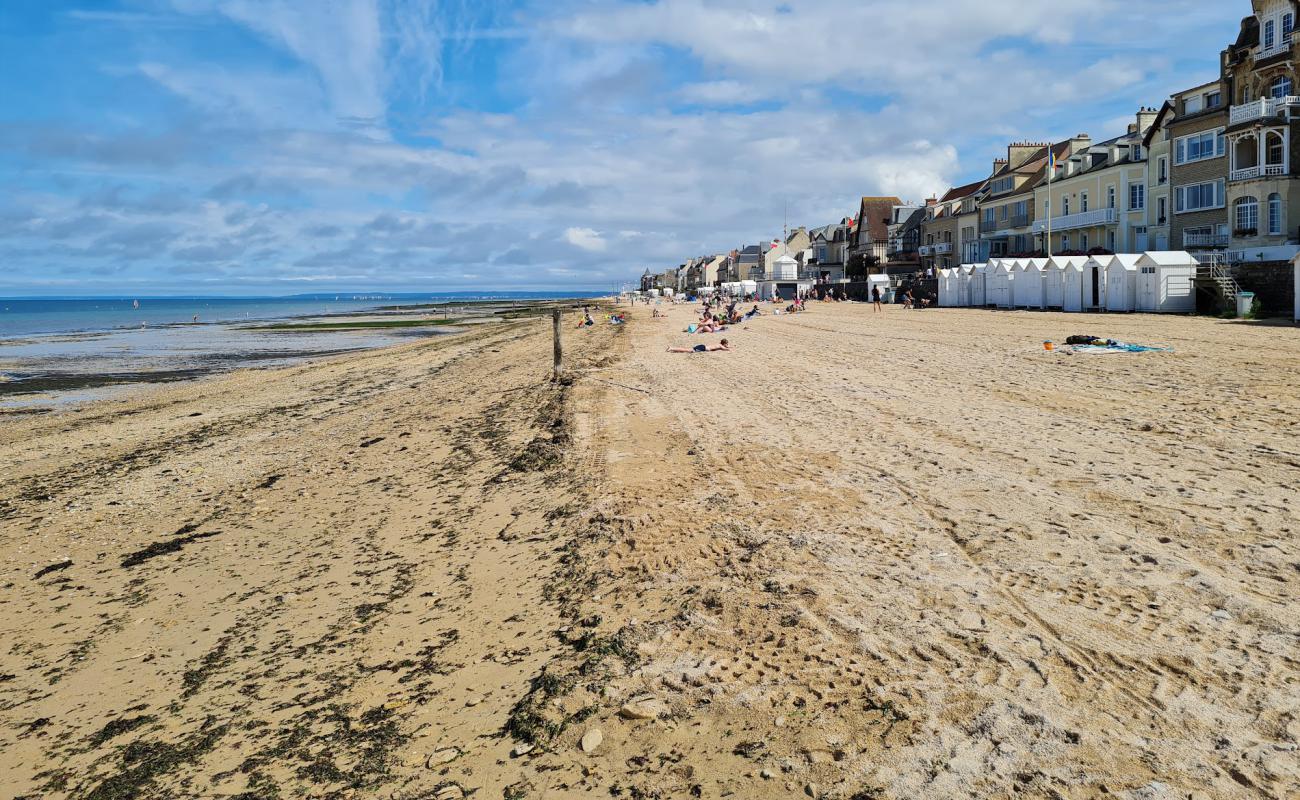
(1146, 117)
(1080, 142)
(1018, 153)
(932, 201)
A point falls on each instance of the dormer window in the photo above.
(1288, 26)
(1270, 35)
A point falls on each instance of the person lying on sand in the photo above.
(724, 345)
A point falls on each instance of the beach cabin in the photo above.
(1094, 283)
(976, 285)
(1121, 282)
(1295, 264)
(1028, 284)
(963, 276)
(880, 282)
(1054, 282)
(1166, 282)
(948, 288)
(1000, 291)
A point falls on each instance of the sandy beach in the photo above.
(900, 555)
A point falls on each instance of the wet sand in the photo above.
(908, 555)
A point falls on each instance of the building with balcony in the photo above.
(1157, 143)
(1097, 198)
(1006, 206)
(941, 231)
(1262, 197)
(870, 239)
(1196, 126)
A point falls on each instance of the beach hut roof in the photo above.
(786, 260)
(1167, 258)
(1060, 262)
(1126, 260)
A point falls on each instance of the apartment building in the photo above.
(1097, 197)
(1007, 209)
(1199, 169)
(1158, 143)
(1263, 171)
(941, 233)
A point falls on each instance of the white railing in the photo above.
(943, 248)
(925, 250)
(1205, 240)
(1284, 252)
(1086, 219)
(1250, 173)
(1277, 49)
(1263, 107)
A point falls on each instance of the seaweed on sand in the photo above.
(164, 547)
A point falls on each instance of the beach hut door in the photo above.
(1096, 287)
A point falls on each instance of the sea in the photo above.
(64, 350)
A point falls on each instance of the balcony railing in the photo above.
(1084, 219)
(1251, 173)
(1014, 221)
(1276, 50)
(943, 248)
(1261, 108)
(925, 250)
(1205, 240)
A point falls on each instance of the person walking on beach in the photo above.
(875, 298)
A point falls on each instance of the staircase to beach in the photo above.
(1213, 276)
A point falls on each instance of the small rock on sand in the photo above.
(642, 709)
(591, 740)
(521, 749)
(444, 756)
(812, 790)
(472, 701)
(452, 792)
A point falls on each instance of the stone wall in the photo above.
(1273, 284)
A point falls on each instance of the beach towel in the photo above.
(1118, 347)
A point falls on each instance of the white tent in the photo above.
(1121, 281)
(1000, 282)
(976, 288)
(1055, 283)
(1028, 284)
(1166, 282)
(948, 288)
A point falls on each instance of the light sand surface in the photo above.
(898, 555)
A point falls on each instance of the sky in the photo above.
(239, 147)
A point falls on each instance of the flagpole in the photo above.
(1051, 170)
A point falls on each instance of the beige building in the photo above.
(1007, 209)
(946, 221)
(1263, 172)
(1160, 202)
(1097, 197)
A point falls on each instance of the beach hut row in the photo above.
(1158, 282)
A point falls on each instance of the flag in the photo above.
(1051, 163)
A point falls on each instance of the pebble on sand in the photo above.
(591, 740)
(444, 756)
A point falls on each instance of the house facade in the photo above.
(1199, 170)
(951, 223)
(1263, 171)
(1097, 197)
(1160, 203)
(1007, 209)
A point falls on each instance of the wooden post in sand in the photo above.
(559, 348)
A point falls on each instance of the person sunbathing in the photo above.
(723, 346)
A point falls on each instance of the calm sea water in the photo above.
(34, 316)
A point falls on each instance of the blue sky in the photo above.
(285, 146)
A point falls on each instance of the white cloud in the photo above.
(586, 238)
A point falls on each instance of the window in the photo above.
(1083, 202)
(1021, 209)
(1193, 105)
(1137, 197)
(1198, 197)
(1213, 99)
(1162, 170)
(1001, 185)
(1002, 212)
(1288, 25)
(1247, 216)
(1275, 153)
(1065, 206)
(1065, 241)
(1137, 152)
(1270, 34)
(1110, 197)
(988, 216)
(1110, 241)
(1275, 214)
(1083, 241)
(1162, 212)
(1280, 87)
(1199, 147)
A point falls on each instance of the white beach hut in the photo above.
(1054, 282)
(1028, 284)
(1001, 282)
(975, 285)
(1121, 282)
(1166, 282)
(963, 274)
(1094, 283)
(1073, 280)
(947, 288)
(1295, 264)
